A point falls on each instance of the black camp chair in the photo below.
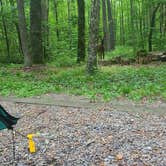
(6, 122)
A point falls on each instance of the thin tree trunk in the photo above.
(45, 27)
(111, 26)
(93, 35)
(12, 4)
(81, 31)
(161, 24)
(6, 33)
(56, 17)
(105, 29)
(152, 26)
(141, 25)
(69, 25)
(24, 34)
(164, 21)
(122, 32)
(133, 36)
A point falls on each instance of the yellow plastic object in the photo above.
(31, 147)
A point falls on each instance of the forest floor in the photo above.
(72, 131)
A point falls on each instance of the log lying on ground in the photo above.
(141, 58)
(117, 60)
(158, 56)
(144, 57)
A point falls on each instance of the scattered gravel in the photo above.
(85, 137)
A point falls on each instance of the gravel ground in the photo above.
(85, 137)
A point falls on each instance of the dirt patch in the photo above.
(63, 100)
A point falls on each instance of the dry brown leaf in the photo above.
(102, 164)
(119, 156)
(110, 137)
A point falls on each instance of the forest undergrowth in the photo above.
(134, 82)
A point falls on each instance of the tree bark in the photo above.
(111, 26)
(24, 34)
(122, 31)
(45, 27)
(81, 31)
(152, 26)
(14, 14)
(69, 25)
(105, 29)
(36, 32)
(93, 35)
(56, 17)
(6, 33)
(132, 14)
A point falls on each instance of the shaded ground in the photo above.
(72, 131)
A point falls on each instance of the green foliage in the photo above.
(131, 82)
(64, 61)
(122, 51)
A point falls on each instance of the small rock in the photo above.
(108, 159)
(147, 149)
(89, 142)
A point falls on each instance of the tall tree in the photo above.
(36, 32)
(132, 20)
(105, 29)
(45, 27)
(81, 31)
(152, 26)
(5, 32)
(24, 34)
(111, 26)
(56, 18)
(14, 15)
(93, 36)
(122, 31)
(69, 22)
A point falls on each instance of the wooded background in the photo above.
(40, 31)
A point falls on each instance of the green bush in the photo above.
(122, 51)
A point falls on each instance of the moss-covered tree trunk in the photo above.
(93, 35)
(81, 31)
(36, 32)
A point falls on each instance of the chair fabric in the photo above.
(6, 120)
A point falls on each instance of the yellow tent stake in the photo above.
(31, 147)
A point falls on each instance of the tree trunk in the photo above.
(24, 34)
(93, 35)
(111, 26)
(56, 17)
(132, 31)
(122, 31)
(152, 26)
(6, 33)
(69, 25)
(45, 27)
(105, 29)
(81, 31)
(14, 14)
(36, 32)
